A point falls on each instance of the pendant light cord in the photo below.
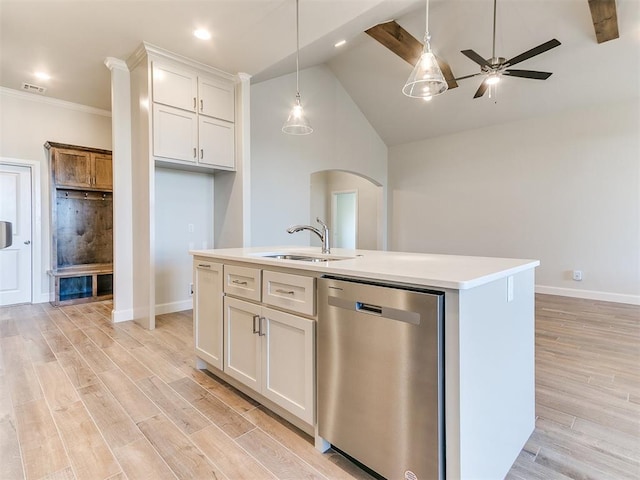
(493, 52)
(427, 36)
(297, 48)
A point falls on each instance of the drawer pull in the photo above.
(255, 330)
(260, 332)
(204, 265)
(287, 292)
(239, 282)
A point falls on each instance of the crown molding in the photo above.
(10, 92)
(152, 52)
(115, 63)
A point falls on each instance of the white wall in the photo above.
(183, 202)
(564, 189)
(281, 165)
(27, 121)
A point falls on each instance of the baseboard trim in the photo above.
(118, 316)
(43, 298)
(589, 294)
(174, 307)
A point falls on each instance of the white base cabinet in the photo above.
(273, 353)
(207, 312)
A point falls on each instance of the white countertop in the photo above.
(444, 271)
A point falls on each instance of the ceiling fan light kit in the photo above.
(297, 123)
(426, 79)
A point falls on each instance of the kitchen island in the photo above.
(489, 395)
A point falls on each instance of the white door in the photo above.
(344, 214)
(15, 261)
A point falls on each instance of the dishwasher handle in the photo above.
(371, 309)
(368, 308)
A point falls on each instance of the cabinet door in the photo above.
(72, 168)
(175, 134)
(217, 143)
(174, 86)
(288, 367)
(207, 312)
(242, 359)
(217, 98)
(102, 168)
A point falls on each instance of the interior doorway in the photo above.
(16, 260)
(344, 215)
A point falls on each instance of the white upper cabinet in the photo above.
(216, 98)
(175, 134)
(193, 117)
(174, 86)
(216, 143)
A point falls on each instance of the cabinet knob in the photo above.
(27, 242)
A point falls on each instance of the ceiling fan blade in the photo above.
(406, 46)
(528, 74)
(481, 89)
(448, 74)
(476, 58)
(468, 76)
(533, 52)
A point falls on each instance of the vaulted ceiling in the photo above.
(71, 38)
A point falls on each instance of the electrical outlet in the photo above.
(577, 275)
(190, 289)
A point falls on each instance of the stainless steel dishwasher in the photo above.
(380, 376)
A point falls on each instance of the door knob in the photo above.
(27, 242)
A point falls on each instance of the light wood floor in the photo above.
(82, 398)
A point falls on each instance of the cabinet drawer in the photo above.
(291, 292)
(242, 281)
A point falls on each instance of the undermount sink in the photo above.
(301, 257)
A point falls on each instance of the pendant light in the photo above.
(426, 79)
(297, 123)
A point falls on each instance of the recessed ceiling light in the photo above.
(340, 43)
(202, 34)
(42, 76)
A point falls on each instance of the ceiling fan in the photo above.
(494, 67)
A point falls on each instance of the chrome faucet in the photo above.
(324, 234)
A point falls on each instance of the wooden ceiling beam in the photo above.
(406, 46)
(605, 19)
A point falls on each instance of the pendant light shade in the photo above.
(297, 123)
(426, 79)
